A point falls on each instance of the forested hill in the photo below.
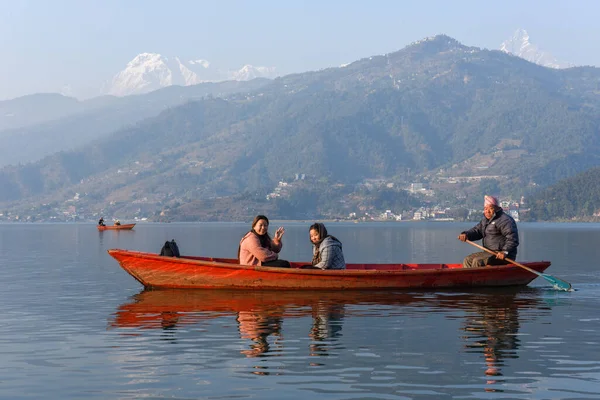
(575, 198)
(436, 108)
(39, 125)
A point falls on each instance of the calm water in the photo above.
(74, 325)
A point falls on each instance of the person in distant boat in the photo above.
(327, 249)
(117, 222)
(257, 247)
(101, 221)
(499, 233)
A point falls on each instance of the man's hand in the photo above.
(462, 237)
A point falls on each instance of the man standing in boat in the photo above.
(498, 232)
(101, 221)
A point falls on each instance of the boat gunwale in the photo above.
(344, 272)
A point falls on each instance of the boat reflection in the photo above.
(152, 309)
(326, 328)
(258, 326)
(489, 319)
(491, 329)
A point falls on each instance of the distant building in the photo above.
(514, 214)
(415, 187)
(388, 214)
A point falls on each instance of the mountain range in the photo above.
(151, 71)
(436, 112)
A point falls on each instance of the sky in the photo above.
(76, 46)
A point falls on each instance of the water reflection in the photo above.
(491, 328)
(488, 320)
(258, 325)
(255, 311)
(326, 328)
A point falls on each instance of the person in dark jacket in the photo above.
(498, 232)
(101, 221)
(327, 249)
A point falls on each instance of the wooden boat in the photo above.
(122, 227)
(187, 272)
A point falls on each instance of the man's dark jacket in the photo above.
(499, 233)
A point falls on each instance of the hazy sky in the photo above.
(47, 45)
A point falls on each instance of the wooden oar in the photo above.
(558, 284)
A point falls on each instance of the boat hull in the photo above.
(124, 227)
(154, 271)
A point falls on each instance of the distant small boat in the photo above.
(122, 227)
(188, 272)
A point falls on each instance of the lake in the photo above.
(76, 326)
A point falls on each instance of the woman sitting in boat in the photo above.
(257, 247)
(101, 221)
(117, 222)
(327, 249)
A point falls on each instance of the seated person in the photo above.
(257, 247)
(327, 249)
(101, 221)
(498, 232)
(117, 222)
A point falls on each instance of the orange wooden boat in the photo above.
(122, 227)
(187, 272)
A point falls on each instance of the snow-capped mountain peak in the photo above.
(146, 72)
(152, 71)
(248, 72)
(520, 46)
(517, 44)
(203, 63)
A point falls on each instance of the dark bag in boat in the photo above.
(170, 249)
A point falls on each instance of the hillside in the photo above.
(41, 125)
(431, 112)
(575, 198)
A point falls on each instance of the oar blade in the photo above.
(558, 284)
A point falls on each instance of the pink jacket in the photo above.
(251, 253)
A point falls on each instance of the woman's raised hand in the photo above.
(279, 233)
